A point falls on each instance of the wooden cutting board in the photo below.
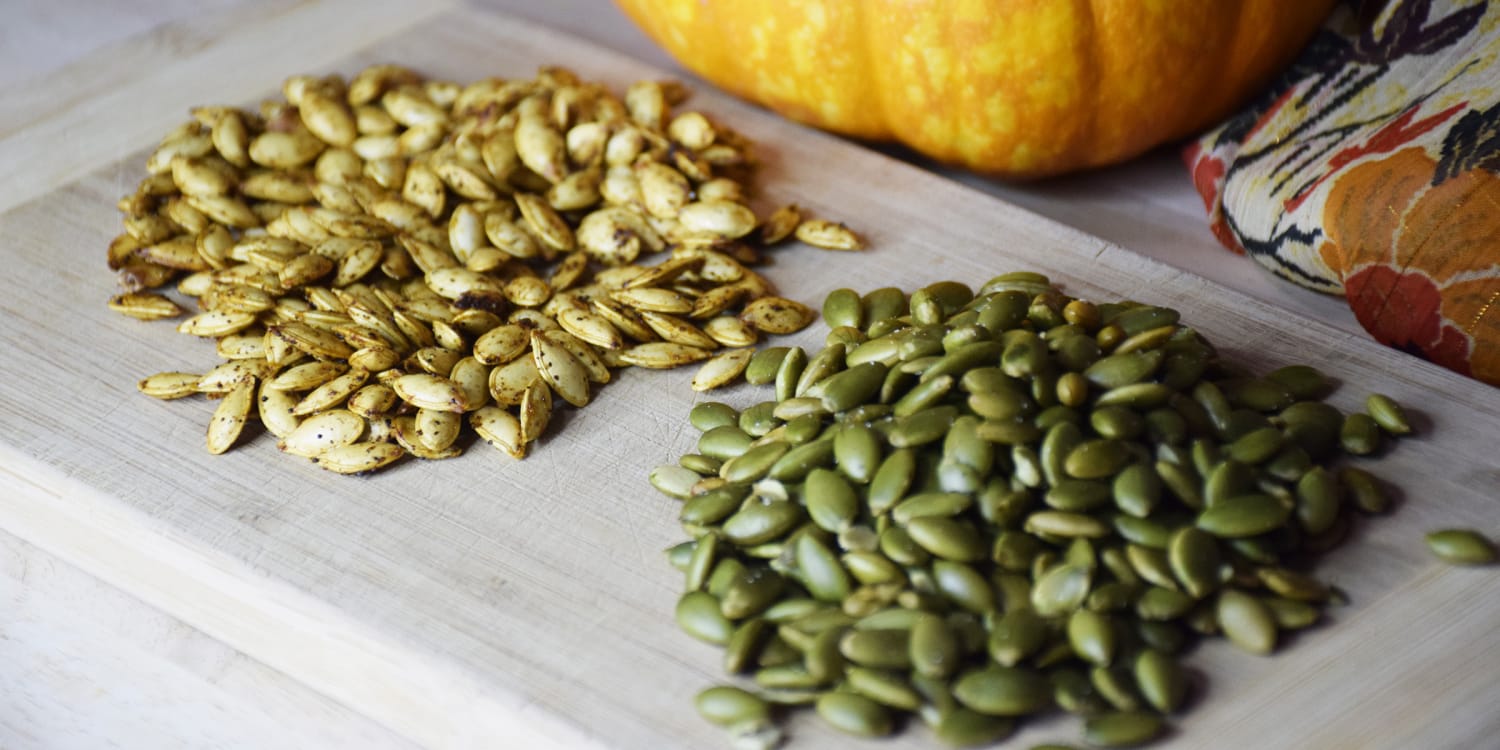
(485, 602)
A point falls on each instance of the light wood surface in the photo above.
(86, 666)
(483, 600)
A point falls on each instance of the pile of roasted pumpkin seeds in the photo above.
(380, 258)
(982, 508)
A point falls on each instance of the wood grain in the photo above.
(485, 602)
(88, 667)
(83, 115)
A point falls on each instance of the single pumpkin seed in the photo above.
(764, 364)
(821, 572)
(359, 457)
(1091, 636)
(1061, 590)
(1246, 621)
(1360, 434)
(1195, 558)
(947, 538)
(698, 615)
(710, 414)
(727, 705)
(761, 522)
(854, 714)
(1388, 414)
(1122, 729)
(1461, 547)
(1003, 691)
(1244, 516)
(1364, 490)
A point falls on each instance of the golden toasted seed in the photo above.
(306, 376)
(473, 378)
(374, 358)
(454, 282)
(722, 189)
(180, 252)
(606, 237)
(778, 315)
(654, 300)
(722, 369)
(210, 324)
(423, 187)
(591, 327)
(828, 235)
(677, 330)
(527, 291)
(229, 417)
(411, 107)
(663, 355)
(304, 270)
(568, 271)
(229, 375)
(501, 344)
(275, 409)
(719, 218)
(545, 222)
(731, 331)
(333, 393)
(509, 381)
(434, 359)
(426, 391)
(668, 271)
(231, 139)
(359, 458)
(470, 180)
(647, 104)
(198, 176)
(465, 228)
(717, 300)
(169, 385)
(328, 118)
(664, 190)
(536, 410)
(318, 343)
(145, 306)
(560, 369)
(436, 430)
(592, 361)
(499, 155)
(186, 145)
(499, 428)
(585, 142)
(541, 148)
(320, 432)
(627, 320)
(372, 401)
(285, 150)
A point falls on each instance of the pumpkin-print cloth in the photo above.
(1372, 170)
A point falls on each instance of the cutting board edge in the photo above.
(286, 628)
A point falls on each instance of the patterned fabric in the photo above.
(1372, 170)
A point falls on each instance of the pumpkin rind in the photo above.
(1016, 87)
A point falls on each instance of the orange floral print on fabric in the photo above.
(1422, 262)
(1372, 170)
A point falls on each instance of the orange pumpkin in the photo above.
(1015, 87)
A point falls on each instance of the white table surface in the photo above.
(88, 666)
